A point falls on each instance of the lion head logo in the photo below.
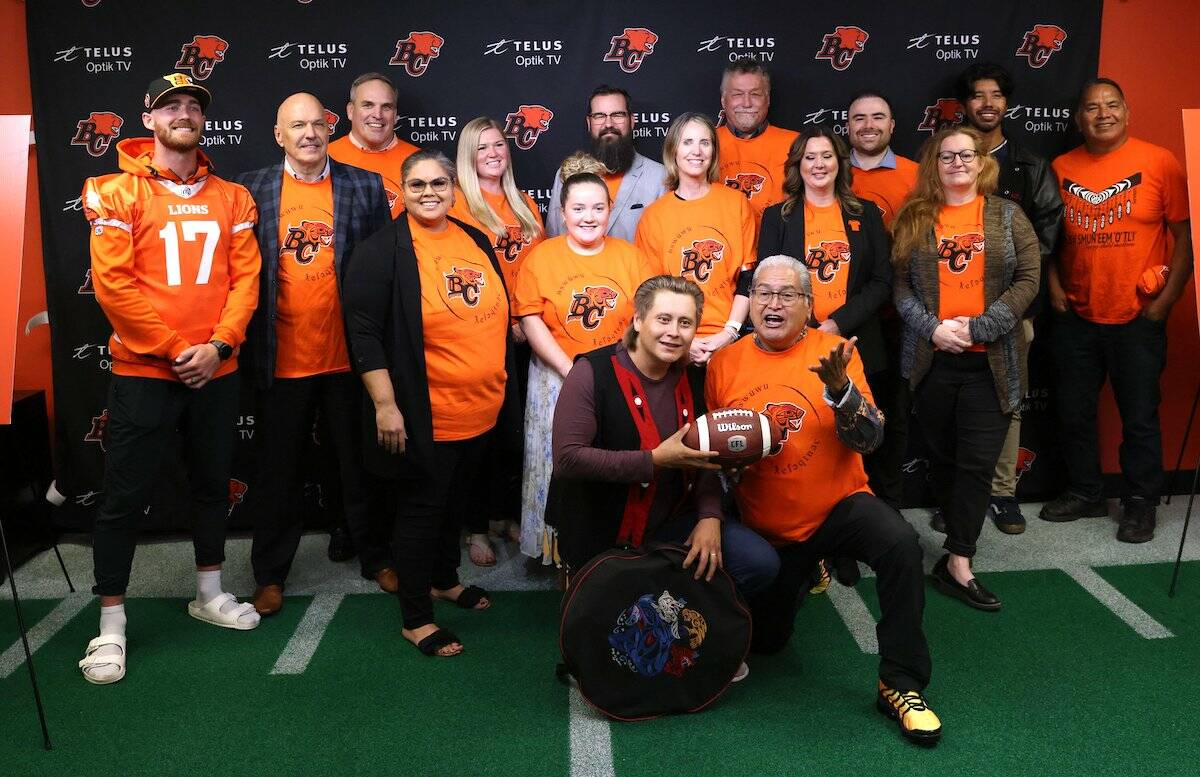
(589, 306)
(945, 112)
(465, 284)
(331, 120)
(631, 48)
(1040, 43)
(699, 258)
(825, 259)
(526, 123)
(237, 493)
(99, 431)
(748, 184)
(305, 241)
(416, 52)
(202, 55)
(840, 46)
(957, 251)
(787, 416)
(96, 132)
(1025, 459)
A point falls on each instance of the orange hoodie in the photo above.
(175, 263)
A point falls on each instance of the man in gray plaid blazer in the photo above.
(312, 212)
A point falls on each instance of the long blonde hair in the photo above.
(468, 182)
(919, 213)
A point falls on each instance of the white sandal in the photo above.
(211, 613)
(91, 660)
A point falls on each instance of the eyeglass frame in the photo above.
(616, 117)
(444, 181)
(959, 155)
(757, 291)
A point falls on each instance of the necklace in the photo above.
(759, 342)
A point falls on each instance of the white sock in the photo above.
(112, 622)
(208, 586)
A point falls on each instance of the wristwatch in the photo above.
(224, 350)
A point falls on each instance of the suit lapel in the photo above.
(342, 196)
(626, 190)
(268, 216)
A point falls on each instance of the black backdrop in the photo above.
(509, 59)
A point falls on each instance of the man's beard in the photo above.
(616, 154)
(164, 136)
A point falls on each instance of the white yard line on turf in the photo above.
(591, 740)
(303, 644)
(1135, 617)
(858, 619)
(46, 628)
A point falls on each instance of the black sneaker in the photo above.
(1069, 507)
(937, 521)
(1006, 512)
(1137, 521)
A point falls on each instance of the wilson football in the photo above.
(739, 436)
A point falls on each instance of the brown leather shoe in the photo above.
(268, 599)
(388, 582)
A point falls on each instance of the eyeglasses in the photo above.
(418, 186)
(967, 156)
(787, 297)
(617, 117)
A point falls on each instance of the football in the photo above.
(739, 436)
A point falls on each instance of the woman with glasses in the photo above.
(428, 319)
(967, 266)
(489, 200)
(574, 294)
(700, 232)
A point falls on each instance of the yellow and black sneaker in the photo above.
(908, 708)
(820, 579)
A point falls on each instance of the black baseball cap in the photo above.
(164, 86)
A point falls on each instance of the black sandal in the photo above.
(470, 596)
(436, 641)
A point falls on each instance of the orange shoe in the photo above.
(917, 722)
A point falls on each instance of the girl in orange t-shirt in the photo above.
(574, 294)
(701, 232)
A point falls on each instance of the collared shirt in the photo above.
(287, 167)
(888, 161)
(361, 147)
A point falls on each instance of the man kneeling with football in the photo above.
(810, 499)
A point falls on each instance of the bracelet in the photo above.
(733, 328)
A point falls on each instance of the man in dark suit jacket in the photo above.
(312, 213)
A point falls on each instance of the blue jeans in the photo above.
(748, 558)
(1132, 355)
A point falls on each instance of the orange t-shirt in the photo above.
(309, 331)
(585, 301)
(511, 248)
(787, 496)
(827, 255)
(886, 187)
(465, 318)
(386, 163)
(613, 182)
(1117, 206)
(755, 167)
(961, 259)
(708, 240)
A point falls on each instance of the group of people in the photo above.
(469, 362)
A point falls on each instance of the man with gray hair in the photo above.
(752, 152)
(810, 498)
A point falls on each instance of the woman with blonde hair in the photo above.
(488, 199)
(967, 266)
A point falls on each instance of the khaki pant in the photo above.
(1004, 482)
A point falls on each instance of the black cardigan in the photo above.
(382, 300)
(869, 286)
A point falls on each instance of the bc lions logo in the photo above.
(416, 52)
(653, 636)
(840, 46)
(465, 284)
(698, 260)
(1040, 43)
(99, 431)
(589, 306)
(305, 241)
(237, 493)
(526, 123)
(331, 120)
(391, 197)
(88, 287)
(825, 259)
(96, 132)
(788, 417)
(748, 184)
(510, 243)
(946, 112)
(202, 55)
(1025, 459)
(957, 251)
(631, 48)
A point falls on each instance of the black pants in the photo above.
(885, 465)
(861, 527)
(429, 513)
(143, 416)
(965, 428)
(286, 414)
(1132, 356)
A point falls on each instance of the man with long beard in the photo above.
(175, 266)
(633, 180)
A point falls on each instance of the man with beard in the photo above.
(752, 152)
(880, 174)
(633, 180)
(175, 267)
(984, 90)
(312, 213)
